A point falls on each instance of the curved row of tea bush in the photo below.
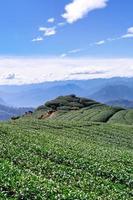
(65, 160)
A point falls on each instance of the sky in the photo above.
(47, 40)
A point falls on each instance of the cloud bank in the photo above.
(23, 70)
(10, 76)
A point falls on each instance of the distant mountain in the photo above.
(122, 103)
(8, 112)
(111, 92)
(37, 94)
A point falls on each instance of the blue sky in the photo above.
(20, 21)
(65, 29)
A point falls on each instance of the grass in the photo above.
(65, 160)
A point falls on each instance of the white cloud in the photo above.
(51, 20)
(100, 42)
(61, 24)
(80, 8)
(88, 72)
(63, 55)
(113, 39)
(34, 70)
(38, 39)
(71, 52)
(129, 33)
(48, 31)
(130, 30)
(75, 51)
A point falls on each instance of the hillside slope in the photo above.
(64, 160)
(64, 151)
(73, 108)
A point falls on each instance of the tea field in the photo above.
(65, 160)
(73, 108)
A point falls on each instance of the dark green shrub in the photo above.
(53, 104)
(41, 108)
(75, 104)
(67, 108)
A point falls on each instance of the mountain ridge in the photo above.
(35, 94)
(113, 92)
(121, 102)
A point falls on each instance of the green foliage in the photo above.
(70, 102)
(15, 118)
(83, 109)
(42, 107)
(123, 117)
(71, 156)
(94, 113)
(65, 160)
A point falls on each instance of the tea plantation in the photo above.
(67, 157)
(72, 108)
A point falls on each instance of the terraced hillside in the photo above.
(65, 160)
(64, 151)
(72, 108)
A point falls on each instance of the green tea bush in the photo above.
(56, 159)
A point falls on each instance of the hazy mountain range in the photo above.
(114, 92)
(8, 112)
(121, 103)
(103, 90)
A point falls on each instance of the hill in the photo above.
(73, 108)
(7, 112)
